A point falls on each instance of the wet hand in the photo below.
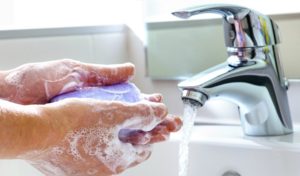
(160, 133)
(85, 139)
(37, 83)
(88, 137)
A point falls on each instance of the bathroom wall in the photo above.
(106, 46)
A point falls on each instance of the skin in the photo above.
(77, 136)
(37, 83)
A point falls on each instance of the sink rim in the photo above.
(233, 136)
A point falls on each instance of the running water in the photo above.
(189, 115)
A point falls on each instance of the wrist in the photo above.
(23, 129)
(58, 117)
(56, 126)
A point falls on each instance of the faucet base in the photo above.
(259, 114)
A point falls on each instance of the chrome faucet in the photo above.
(252, 76)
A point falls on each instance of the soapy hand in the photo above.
(37, 83)
(160, 133)
(88, 137)
(85, 138)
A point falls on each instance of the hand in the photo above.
(37, 83)
(87, 137)
(84, 139)
(160, 133)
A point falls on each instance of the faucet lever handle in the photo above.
(229, 12)
(243, 27)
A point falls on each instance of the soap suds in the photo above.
(98, 145)
(73, 140)
(14, 78)
(92, 171)
(105, 145)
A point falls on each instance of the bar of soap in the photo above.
(126, 92)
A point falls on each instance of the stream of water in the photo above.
(189, 115)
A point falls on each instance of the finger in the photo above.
(142, 157)
(143, 115)
(107, 74)
(139, 137)
(162, 131)
(173, 123)
(142, 153)
(153, 97)
(135, 137)
(159, 133)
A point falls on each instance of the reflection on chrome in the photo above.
(252, 76)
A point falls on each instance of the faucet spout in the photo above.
(254, 88)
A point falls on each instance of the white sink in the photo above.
(217, 149)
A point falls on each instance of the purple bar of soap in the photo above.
(126, 92)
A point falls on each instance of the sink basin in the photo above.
(215, 150)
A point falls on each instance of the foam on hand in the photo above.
(117, 153)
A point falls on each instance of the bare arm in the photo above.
(21, 128)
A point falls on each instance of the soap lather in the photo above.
(124, 92)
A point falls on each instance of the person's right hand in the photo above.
(83, 138)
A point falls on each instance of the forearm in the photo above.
(22, 129)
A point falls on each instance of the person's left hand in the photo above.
(37, 83)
